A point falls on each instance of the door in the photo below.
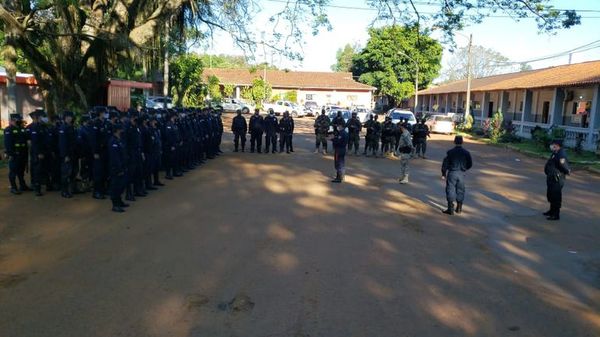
(545, 112)
(490, 109)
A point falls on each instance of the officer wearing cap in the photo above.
(387, 136)
(15, 150)
(354, 128)
(271, 129)
(457, 162)
(340, 142)
(117, 168)
(372, 136)
(39, 142)
(286, 131)
(322, 124)
(67, 142)
(85, 135)
(99, 140)
(256, 131)
(556, 170)
(135, 157)
(239, 127)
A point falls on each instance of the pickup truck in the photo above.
(280, 107)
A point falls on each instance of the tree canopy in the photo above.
(186, 80)
(344, 57)
(390, 59)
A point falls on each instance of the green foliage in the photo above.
(228, 90)
(213, 88)
(496, 127)
(258, 92)
(344, 58)
(185, 79)
(467, 124)
(276, 97)
(387, 61)
(541, 136)
(291, 96)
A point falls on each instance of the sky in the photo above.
(519, 41)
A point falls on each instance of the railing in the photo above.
(573, 135)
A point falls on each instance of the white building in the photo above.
(322, 87)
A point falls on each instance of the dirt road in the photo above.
(263, 245)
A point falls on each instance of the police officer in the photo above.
(322, 124)
(457, 162)
(556, 169)
(372, 137)
(54, 164)
(170, 146)
(156, 150)
(420, 134)
(135, 157)
(67, 142)
(387, 136)
(271, 129)
(117, 168)
(85, 135)
(256, 131)
(15, 150)
(354, 128)
(340, 142)
(39, 142)
(99, 141)
(239, 127)
(405, 148)
(286, 130)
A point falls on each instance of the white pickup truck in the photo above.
(280, 107)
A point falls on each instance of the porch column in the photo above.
(485, 106)
(503, 104)
(527, 100)
(556, 106)
(447, 103)
(594, 119)
(237, 92)
(430, 103)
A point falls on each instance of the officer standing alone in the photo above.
(556, 169)
(457, 162)
(340, 142)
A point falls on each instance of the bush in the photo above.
(509, 135)
(541, 136)
(496, 127)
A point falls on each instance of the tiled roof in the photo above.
(289, 79)
(560, 76)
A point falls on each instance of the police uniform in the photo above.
(256, 132)
(387, 136)
(405, 149)
(372, 136)
(340, 142)
(286, 130)
(354, 128)
(271, 129)
(15, 149)
(38, 138)
(67, 142)
(420, 134)
(322, 124)
(556, 170)
(118, 169)
(457, 162)
(239, 127)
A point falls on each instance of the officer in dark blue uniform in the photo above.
(99, 142)
(39, 142)
(457, 162)
(54, 164)
(340, 142)
(170, 146)
(85, 133)
(135, 157)
(556, 169)
(239, 127)
(155, 150)
(286, 131)
(117, 168)
(256, 131)
(15, 150)
(271, 129)
(67, 142)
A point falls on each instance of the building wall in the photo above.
(344, 98)
(541, 106)
(28, 98)
(576, 100)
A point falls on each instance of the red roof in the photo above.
(289, 79)
(21, 79)
(561, 76)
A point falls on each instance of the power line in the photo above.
(580, 49)
(433, 13)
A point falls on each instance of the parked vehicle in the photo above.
(346, 114)
(362, 113)
(280, 107)
(440, 124)
(234, 104)
(158, 102)
(311, 108)
(398, 114)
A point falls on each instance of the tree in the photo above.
(228, 90)
(484, 62)
(291, 96)
(386, 62)
(213, 88)
(344, 58)
(186, 80)
(258, 92)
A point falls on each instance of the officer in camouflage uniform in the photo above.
(354, 128)
(321, 126)
(372, 137)
(405, 148)
(387, 136)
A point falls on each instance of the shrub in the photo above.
(541, 136)
(496, 127)
(509, 135)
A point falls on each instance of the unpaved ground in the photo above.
(263, 245)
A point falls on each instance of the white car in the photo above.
(362, 113)
(158, 102)
(440, 124)
(233, 105)
(397, 115)
(280, 107)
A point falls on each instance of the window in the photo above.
(521, 106)
(545, 112)
(309, 97)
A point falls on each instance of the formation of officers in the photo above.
(109, 152)
(277, 132)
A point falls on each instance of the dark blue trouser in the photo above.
(271, 140)
(16, 169)
(455, 186)
(99, 175)
(340, 160)
(554, 193)
(117, 186)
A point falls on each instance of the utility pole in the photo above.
(468, 107)
(166, 61)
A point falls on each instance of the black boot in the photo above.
(548, 213)
(15, 191)
(450, 210)
(338, 178)
(459, 207)
(554, 214)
